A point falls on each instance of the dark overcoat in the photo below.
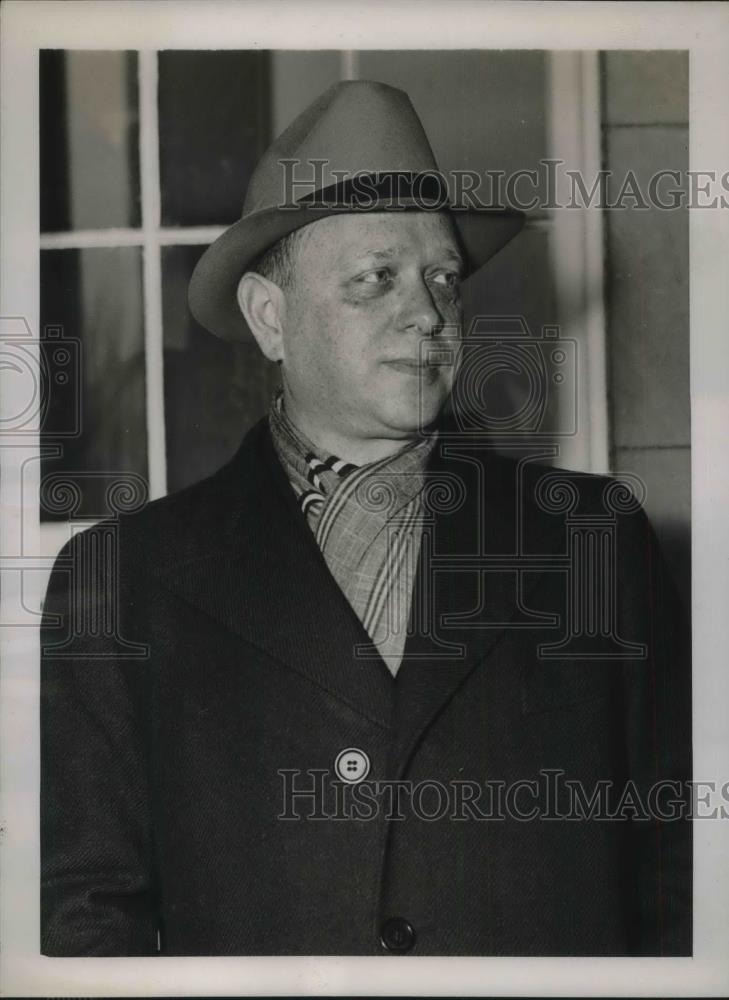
(201, 664)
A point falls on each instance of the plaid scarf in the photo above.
(367, 521)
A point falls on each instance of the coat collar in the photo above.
(258, 572)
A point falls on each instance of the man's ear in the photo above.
(264, 308)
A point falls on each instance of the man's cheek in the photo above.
(451, 310)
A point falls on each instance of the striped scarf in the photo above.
(367, 521)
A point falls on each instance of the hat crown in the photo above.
(355, 126)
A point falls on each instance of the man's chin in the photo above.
(412, 420)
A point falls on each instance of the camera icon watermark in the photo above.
(46, 380)
(508, 382)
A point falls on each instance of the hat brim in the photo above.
(213, 286)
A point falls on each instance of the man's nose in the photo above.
(419, 312)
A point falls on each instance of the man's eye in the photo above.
(448, 278)
(378, 277)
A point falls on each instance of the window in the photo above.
(145, 159)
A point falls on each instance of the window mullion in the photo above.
(152, 277)
(576, 243)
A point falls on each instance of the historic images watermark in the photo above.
(551, 185)
(316, 794)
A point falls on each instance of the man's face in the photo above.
(367, 290)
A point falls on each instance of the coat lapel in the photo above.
(466, 591)
(260, 574)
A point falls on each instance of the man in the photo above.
(365, 613)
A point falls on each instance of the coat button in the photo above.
(397, 935)
(352, 765)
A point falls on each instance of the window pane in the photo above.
(213, 128)
(519, 278)
(214, 391)
(490, 116)
(516, 286)
(89, 140)
(91, 316)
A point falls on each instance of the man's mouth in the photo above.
(408, 366)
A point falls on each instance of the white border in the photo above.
(702, 27)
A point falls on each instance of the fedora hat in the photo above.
(358, 147)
